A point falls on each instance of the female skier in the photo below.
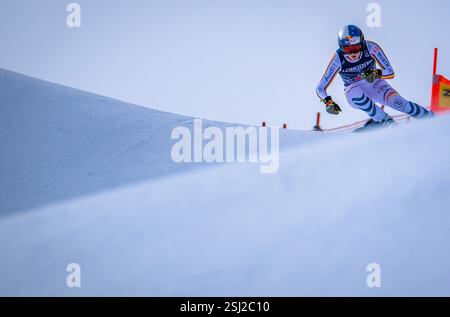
(365, 85)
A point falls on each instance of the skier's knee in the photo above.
(397, 102)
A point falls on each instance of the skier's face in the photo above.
(354, 56)
(353, 52)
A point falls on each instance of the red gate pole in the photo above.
(434, 82)
(435, 61)
(317, 126)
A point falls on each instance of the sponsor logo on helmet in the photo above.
(352, 40)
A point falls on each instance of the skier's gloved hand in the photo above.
(332, 107)
(372, 74)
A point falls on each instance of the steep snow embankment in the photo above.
(310, 229)
(59, 143)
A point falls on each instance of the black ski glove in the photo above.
(332, 107)
(372, 74)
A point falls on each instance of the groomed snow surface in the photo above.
(86, 179)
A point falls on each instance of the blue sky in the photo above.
(236, 60)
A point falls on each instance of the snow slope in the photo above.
(58, 142)
(311, 229)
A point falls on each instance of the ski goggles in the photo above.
(352, 49)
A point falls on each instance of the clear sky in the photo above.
(230, 60)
